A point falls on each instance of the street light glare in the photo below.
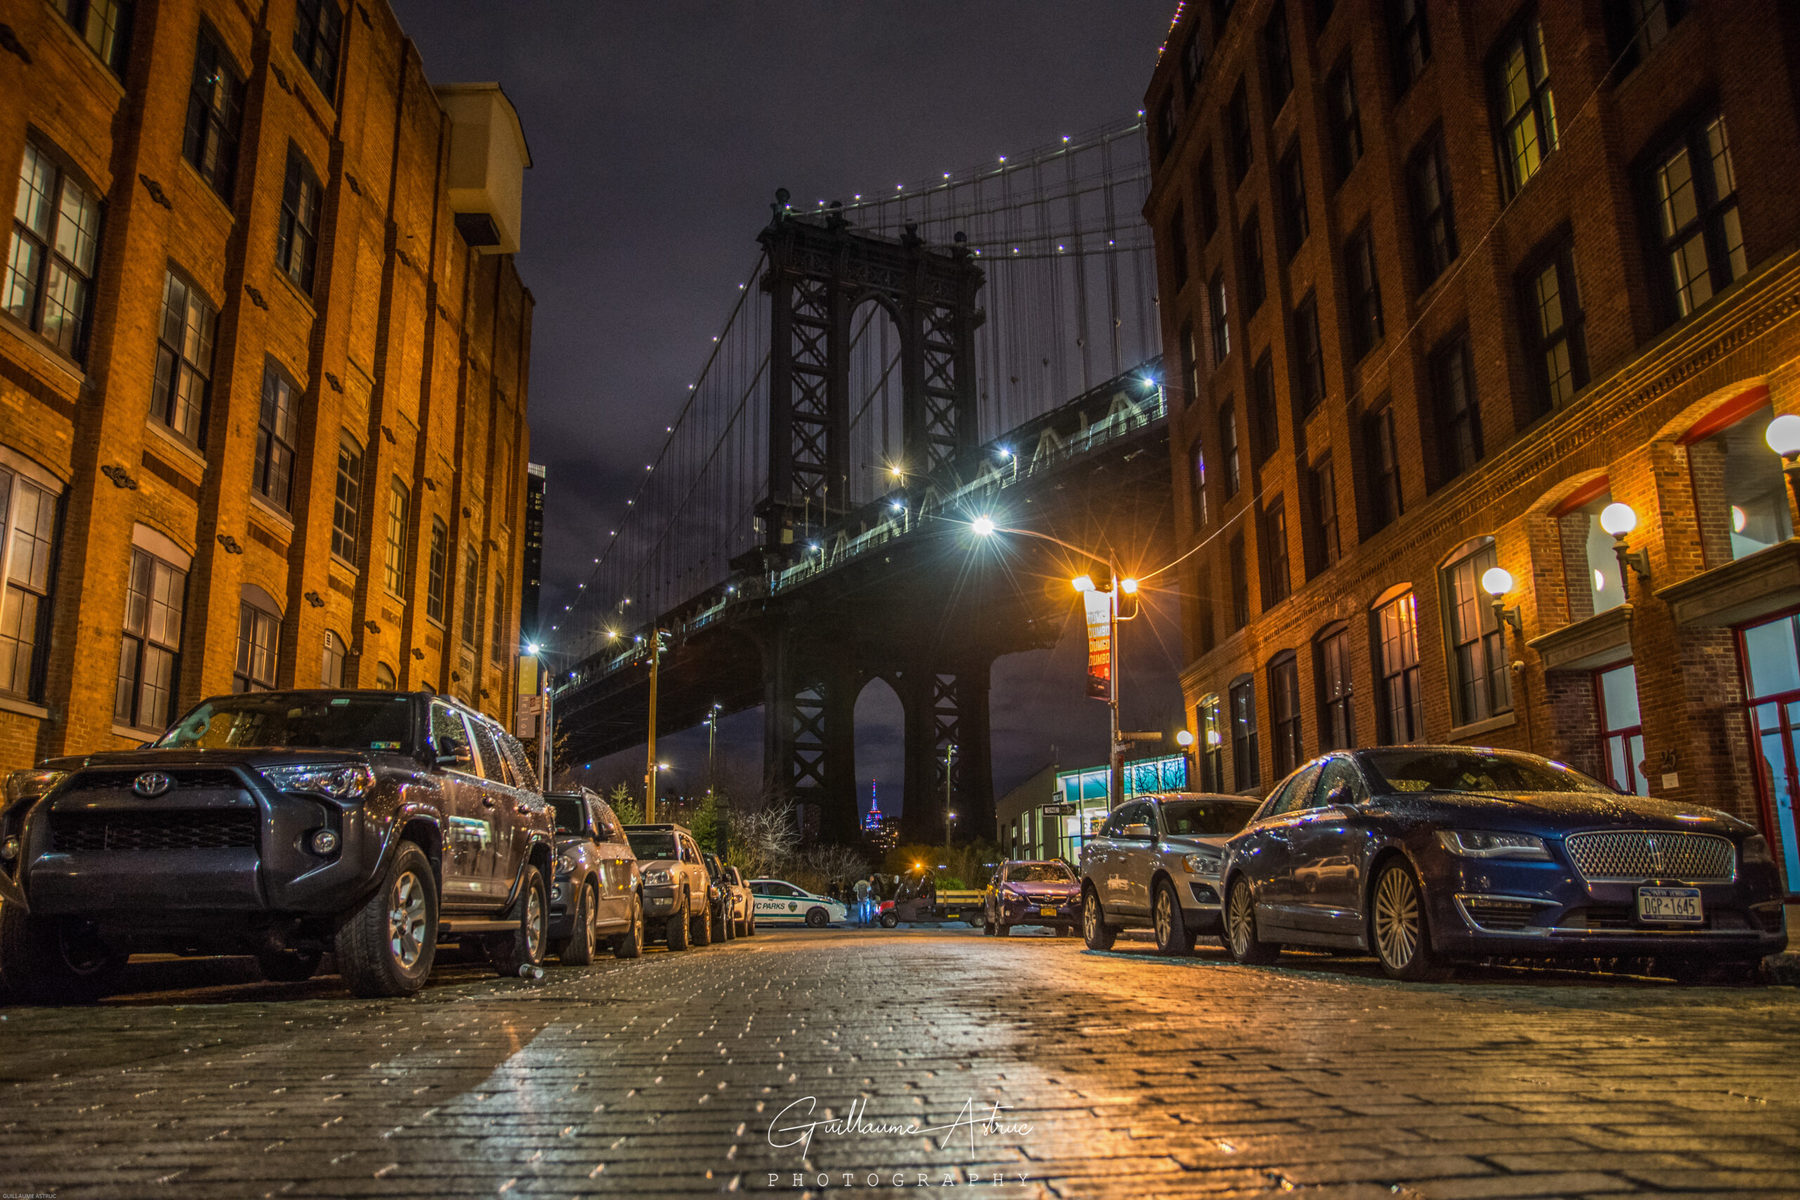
(1083, 583)
(982, 525)
(1128, 586)
(532, 648)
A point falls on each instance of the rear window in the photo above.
(1403, 770)
(653, 843)
(1195, 818)
(285, 721)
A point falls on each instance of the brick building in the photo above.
(263, 365)
(1440, 282)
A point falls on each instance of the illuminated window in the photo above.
(1699, 239)
(1245, 769)
(1398, 701)
(1480, 683)
(297, 231)
(55, 248)
(1527, 108)
(27, 542)
(1331, 671)
(105, 25)
(184, 353)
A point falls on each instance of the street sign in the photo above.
(1058, 810)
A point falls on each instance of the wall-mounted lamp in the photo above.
(1783, 437)
(1619, 519)
(1497, 582)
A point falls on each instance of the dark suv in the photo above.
(281, 824)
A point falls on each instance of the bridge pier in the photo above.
(947, 708)
(809, 734)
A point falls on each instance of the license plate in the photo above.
(1046, 912)
(1681, 905)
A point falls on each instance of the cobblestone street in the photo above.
(1121, 1074)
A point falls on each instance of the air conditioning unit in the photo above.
(488, 157)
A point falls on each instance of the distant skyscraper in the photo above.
(877, 829)
(534, 549)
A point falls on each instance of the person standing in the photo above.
(862, 901)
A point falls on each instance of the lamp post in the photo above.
(949, 766)
(1619, 519)
(1185, 739)
(650, 766)
(1497, 582)
(712, 735)
(1783, 437)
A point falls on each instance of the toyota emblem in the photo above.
(152, 783)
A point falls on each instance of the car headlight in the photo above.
(31, 784)
(1756, 850)
(1203, 863)
(656, 876)
(340, 781)
(1474, 844)
(564, 864)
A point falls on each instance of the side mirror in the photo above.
(1339, 796)
(1138, 830)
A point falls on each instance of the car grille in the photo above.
(211, 829)
(1629, 855)
(188, 778)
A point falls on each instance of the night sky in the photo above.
(659, 133)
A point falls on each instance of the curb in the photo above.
(1783, 967)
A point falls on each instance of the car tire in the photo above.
(817, 918)
(39, 962)
(678, 931)
(522, 949)
(630, 944)
(386, 946)
(1172, 936)
(579, 950)
(727, 929)
(889, 921)
(289, 966)
(1094, 929)
(1239, 933)
(1399, 930)
(700, 927)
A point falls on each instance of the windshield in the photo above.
(569, 816)
(1192, 818)
(653, 843)
(1039, 872)
(279, 720)
(1476, 771)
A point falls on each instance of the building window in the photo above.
(1636, 27)
(1331, 668)
(1193, 63)
(297, 235)
(1190, 364)
(1197, 456)
(1264, 432)
(1365, 292)
(318, 28)
(1739, 490)
(346, 508)
(184, 352)
(1279, 57)
(437, 566)
(1479, 679)
(150, 649)
(471, 593)
(1245, 769)
(1276, 582)
(1411, 41)
(1293, 224)
(331, 670)
(1255, 285)
(497, 647)
(1309, 355)
(1434, 218)
(55, 244)
(1327, 549)
(1399, 703)
(1590, 567)
(1554, 344)
(395, 564)
(1178, 247)
(1240, 583)
(1208, 196)
(1284, 712)
(1453, 407)
(1221, 318)
(384, 678)
(1165, 126)
(1622, 728)
(1699, 240)
(1237, 124)
(27, 539)
(273, 473)
(105, 25)
(215, 111)
(1384, 468)
(1345, 120)
(1527, 108)
(1212, 745)
(1228, 443)
(259, 634)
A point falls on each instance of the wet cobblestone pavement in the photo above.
(1121, 1074)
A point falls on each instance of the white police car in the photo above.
(780, 901)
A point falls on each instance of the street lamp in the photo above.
(1783, 437)
(712, 734)
(949, 766)
(651, 766)
(1619, 519)
(1497, 582)
(1185, 739)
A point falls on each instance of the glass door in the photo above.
(1772, 665)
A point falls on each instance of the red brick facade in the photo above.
(1621, 428)
(410, 348)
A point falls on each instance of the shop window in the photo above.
(1622, 728)
(1771, 656)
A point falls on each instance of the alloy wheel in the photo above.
(534, 923)
(1240, 920)
(406, 919)
(1165, 921)
(1397, 918)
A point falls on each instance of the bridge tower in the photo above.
(820, 272)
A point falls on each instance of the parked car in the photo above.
(780, 902)
(742, 903)
(678, 904)
(281, 824)
(718, 890)
(1426, 855)
(1156, 863)
(1031, 892)
(597, 896)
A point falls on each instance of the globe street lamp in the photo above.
(1619, 519)
(1783, 437)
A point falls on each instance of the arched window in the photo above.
(384, 678)
(259, 641)
(331, 673)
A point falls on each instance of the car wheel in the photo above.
(51, 961)
(678, 931)
(288, 966)
(522, 950)
(1240, 927)
(727, 930)
(1398, 929)
(630, 944)
(889, 921)
(817, 918)
(1094, 929)
(578, 951)
(700, 926)
(386, 947)
(1172, 936)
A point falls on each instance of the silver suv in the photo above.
(677, 889)
(1156, 864)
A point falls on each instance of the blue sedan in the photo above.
(1425, 855)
